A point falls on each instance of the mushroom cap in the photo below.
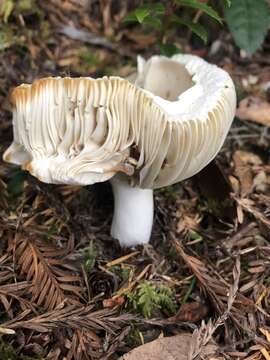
(162, 129)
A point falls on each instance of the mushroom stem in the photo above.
(133, 213)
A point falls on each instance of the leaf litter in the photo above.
(65, 284)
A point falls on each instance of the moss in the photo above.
(121, 271)
(89, 255)
(148, 298)
(8, 352)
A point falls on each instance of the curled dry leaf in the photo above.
(243, 172)
(117, 300)
(169, 348)
(244, 162)
(254, 109)
(190, 312)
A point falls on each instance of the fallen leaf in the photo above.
(234, 184)
(243, 163)
(187, 222)
(169, 348)
(254, 109)
(115, 301)
(249, 158)
(190, 312)
(260, 181)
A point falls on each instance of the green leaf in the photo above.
(168, 49)
(90, 255)
(138, 15)
(141, 14)
(195, 4)
(25, 5)
(6, 9)
(157, 8)
(130, 18)
(195, 27)
(228, 3)
(153, 21)
(248, 21)
(189, 291)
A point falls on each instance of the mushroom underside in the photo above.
(81, 131)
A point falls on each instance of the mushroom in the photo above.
(161, 129)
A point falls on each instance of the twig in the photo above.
(92, 39)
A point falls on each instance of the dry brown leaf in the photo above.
(187, 222)
(169, 348)
(243, 163)
(261, 181)
(254, 109)
(11, 293)
(117, 300)
(226, 299)
(190, 312)
(249, 206)
(84, 345)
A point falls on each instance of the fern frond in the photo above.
(147, 299)
(84, 345)
(166, 298)
(6, 270)
(70, 317)
(14, 292)
(43, 267)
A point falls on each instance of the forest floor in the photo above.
(67, 289)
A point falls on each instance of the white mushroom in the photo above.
(164, 128)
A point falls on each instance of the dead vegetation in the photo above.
(65, 284)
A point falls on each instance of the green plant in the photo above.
(13, 32)
(88, 60)
(148, 298)
(120, 271)
(248, 21)
(8, 352)
(9, 7)
(89, 255)
(6, 9)
(189, 290)
(157, 16)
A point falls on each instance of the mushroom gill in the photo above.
(162, 129)
(81, 130)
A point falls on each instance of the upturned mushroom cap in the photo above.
(164, 128)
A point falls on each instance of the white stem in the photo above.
(133, 213)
